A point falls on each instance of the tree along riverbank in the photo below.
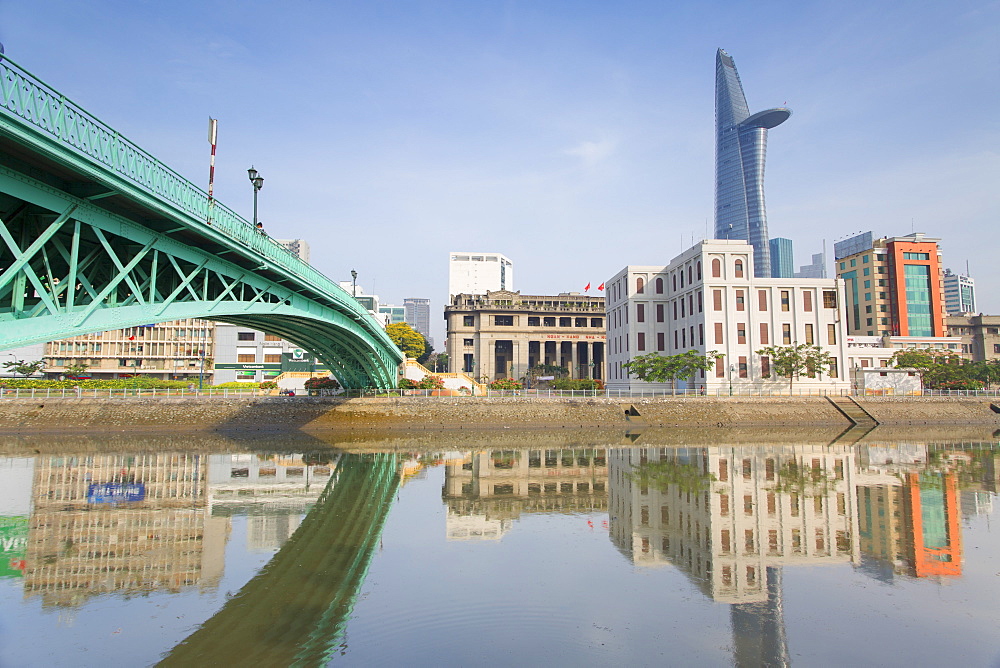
(316, 413)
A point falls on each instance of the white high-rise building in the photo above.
(959, 293)
(479, 273)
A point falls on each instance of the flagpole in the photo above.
(213, 135)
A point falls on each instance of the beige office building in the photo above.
(502, 334)
(979, 334)
(172, 350)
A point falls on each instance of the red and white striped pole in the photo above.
(213, 135)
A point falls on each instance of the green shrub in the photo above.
(577, 384)
(94, 384)
(505, 384)
(268, 385)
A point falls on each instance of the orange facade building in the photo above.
(894, 285)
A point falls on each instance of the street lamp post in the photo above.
(354, 284)
(732, 370)
(258, 182)
(201, 370)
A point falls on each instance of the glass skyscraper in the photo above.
(740, 148)
(782, 262)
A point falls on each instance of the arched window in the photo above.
(699, 270)
(639, 285)
(739, 269)
(674, 277)
(690, 274)
(716, 268)
(659, 286)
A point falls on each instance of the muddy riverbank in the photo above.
(414, 413)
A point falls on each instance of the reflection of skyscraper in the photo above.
(487, 491)
(759, 628)
(740, 148)
(120, 524)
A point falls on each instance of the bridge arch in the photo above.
(96, 234)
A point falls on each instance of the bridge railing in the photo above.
(37, 105)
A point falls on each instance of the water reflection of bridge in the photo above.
(295, 609)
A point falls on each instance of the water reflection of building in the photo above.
(909, 513)
(16, 478)
(730, 518)
(486, 491)
(725, 514)
(274, 491)
(120, 523)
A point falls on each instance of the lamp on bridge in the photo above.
(354, 284)
(258, 182)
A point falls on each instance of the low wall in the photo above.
(314, 413)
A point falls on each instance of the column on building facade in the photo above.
(521, 352)
(574, 367)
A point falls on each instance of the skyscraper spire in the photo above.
(740, 148)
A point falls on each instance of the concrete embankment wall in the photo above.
(25, 415)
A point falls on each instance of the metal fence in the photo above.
(141, 393)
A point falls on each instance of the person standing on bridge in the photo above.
(260, 228)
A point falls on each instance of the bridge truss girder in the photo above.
(70, 267)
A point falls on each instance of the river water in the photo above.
(533, 548)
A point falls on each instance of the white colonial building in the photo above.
(708, 299)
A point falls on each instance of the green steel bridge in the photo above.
(295, 611)
(97, 234)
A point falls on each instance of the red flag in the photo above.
(587, 289)
(601, 287)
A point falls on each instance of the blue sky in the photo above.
(574, 137)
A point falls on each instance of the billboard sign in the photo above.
(116, 492)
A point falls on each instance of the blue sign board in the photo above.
(116, 492)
